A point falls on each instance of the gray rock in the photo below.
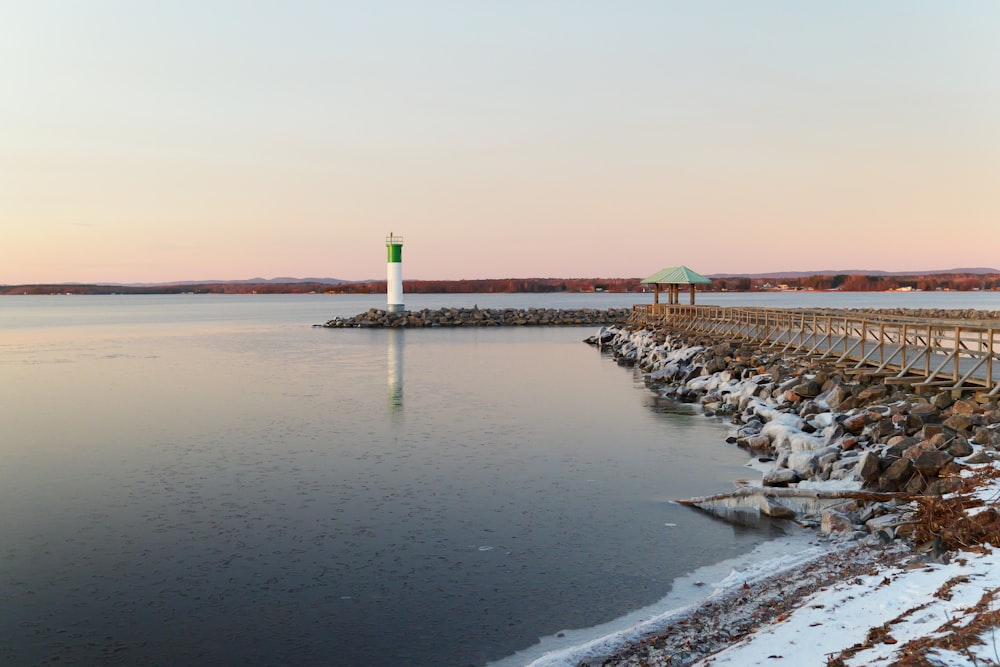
(834, 396)
(959, 422)
(868, 467)
(965, 407)
(807, 389)
(780, 477)
(943, 486)
(874, 393)
(928, 463)
(896, 475)
(856, 423)
(757, 442)
(960, 448)
(982, 456)
(833, 521)
(942, 400)
(886, 522)
(773, 508)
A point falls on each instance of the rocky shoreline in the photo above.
(482, 317)
(814, 427)
(868, 464)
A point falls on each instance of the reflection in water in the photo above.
(665, 405)
(395, 364)
(749, 523)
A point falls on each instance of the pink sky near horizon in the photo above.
(230, 140)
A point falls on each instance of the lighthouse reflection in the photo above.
(395, 370)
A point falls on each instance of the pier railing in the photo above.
(956, 355)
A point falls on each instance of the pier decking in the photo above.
(959, 355)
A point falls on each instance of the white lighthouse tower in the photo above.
(394, 278)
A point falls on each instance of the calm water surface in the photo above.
(207, 479)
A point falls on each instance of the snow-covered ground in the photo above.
(882, 618)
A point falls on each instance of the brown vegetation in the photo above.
(957, 282)
(485, 286)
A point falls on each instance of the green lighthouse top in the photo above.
(394, 244)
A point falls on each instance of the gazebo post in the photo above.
(656, 293)
(692, 294)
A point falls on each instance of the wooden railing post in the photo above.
(958, 343)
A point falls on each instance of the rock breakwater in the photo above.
(848, 453)
(483, 317)
(967, 314)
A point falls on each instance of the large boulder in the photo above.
(856, 423)
(897, 474)
(873, 393)
(960, 448)
(930, 462)
(926, 413)
(965, 407)
(943, 486)
(807, 389)
(898, 445)
(960, 422)
(834, 397)
(942, 400)
(780, 477)
(868, 467)
(987, 436)
(833, 521)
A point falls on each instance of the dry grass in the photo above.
(958, 634)
(949, 526)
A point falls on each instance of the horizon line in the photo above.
(330, 280)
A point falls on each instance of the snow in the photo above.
(842, 615)
(788, 433)
(830, 485)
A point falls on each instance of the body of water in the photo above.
(207, 479)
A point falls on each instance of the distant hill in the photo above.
(249, 281)
(979, 271)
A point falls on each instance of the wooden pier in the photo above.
(958, 355)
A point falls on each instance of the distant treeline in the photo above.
(845, 282)
(497, 285)
(960, 282)
(502, 285)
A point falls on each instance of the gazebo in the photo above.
(673, 277)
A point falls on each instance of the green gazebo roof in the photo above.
(676, 275)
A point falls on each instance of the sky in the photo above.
(183, 140)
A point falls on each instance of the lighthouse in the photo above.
(394, 277)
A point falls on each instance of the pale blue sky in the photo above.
(146, 141)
